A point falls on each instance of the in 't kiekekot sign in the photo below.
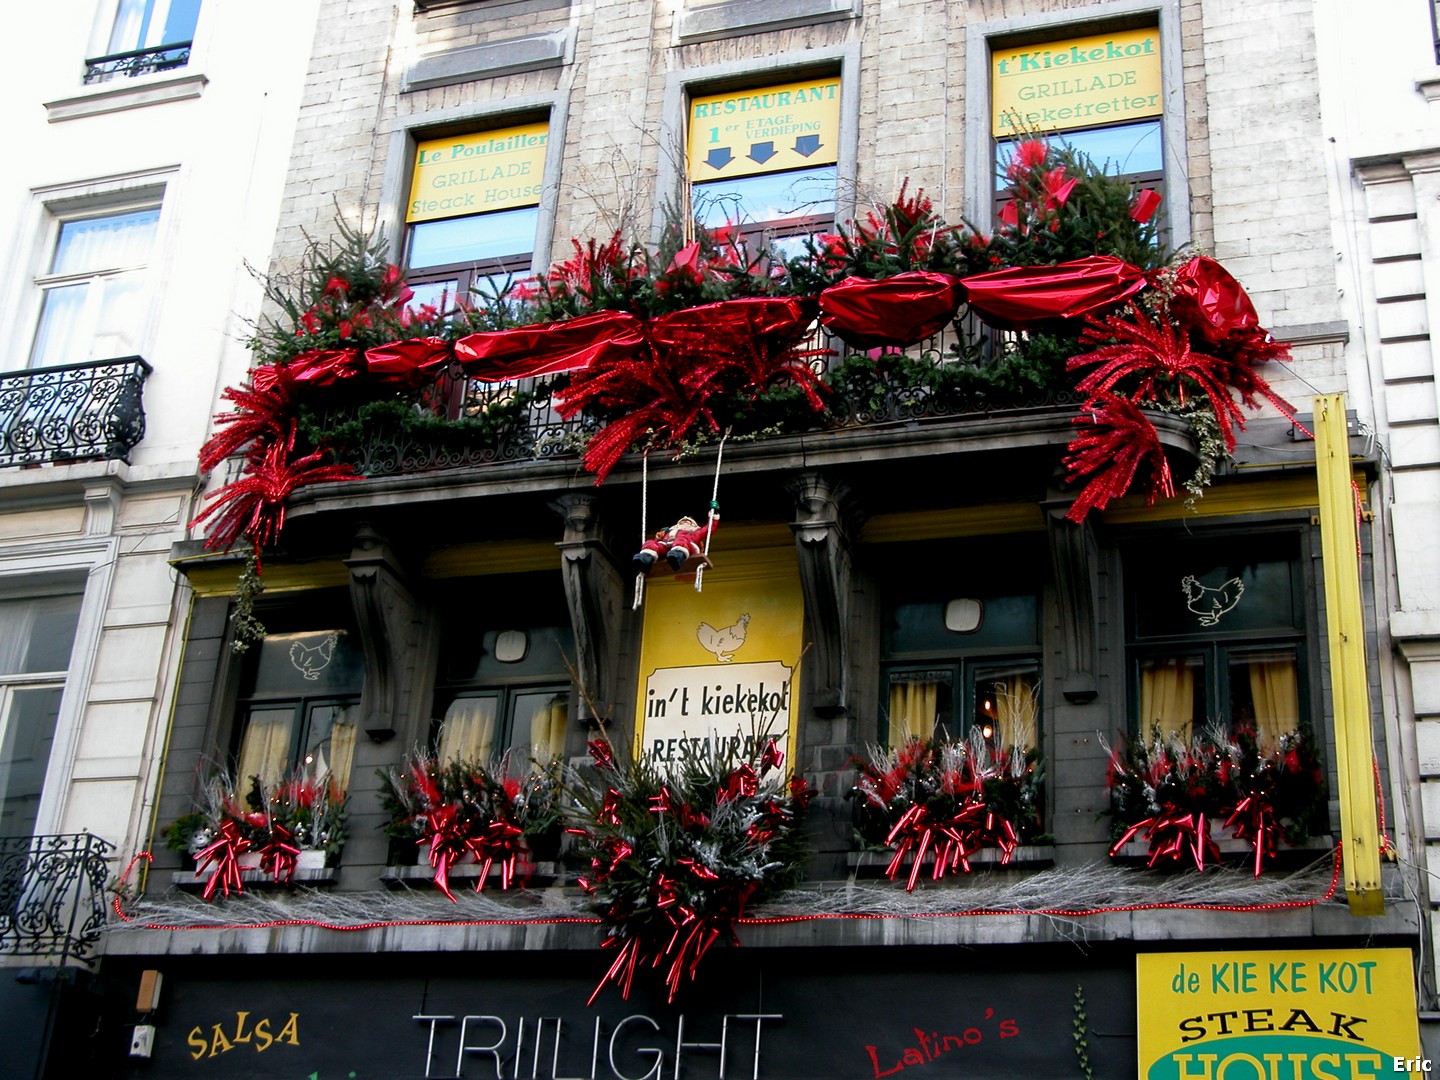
(1080, 82)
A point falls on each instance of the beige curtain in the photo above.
(1167, 694)
(468, 731)
(265, 749)
(914, 700)
(1016, 711)
(547, 728)
(342, 751)
(1274, 688)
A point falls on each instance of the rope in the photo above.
(639, 597)
(713, 514)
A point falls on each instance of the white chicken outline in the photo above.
(300, 655)
(726, 641)
(1196, 593)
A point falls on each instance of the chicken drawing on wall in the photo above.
(726, 641)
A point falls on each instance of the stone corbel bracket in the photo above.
(1074, 559)
(390, 624)
(595, 595)
(825, 521)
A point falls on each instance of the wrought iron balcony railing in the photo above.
(52, 894)
(89, 410)
(137, 62)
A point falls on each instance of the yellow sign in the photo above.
(471, 174)
(720, 668)
(1302, 1014)
(761, 131)
(1082, 82)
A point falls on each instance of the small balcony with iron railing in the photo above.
(125, 65)
(75, 412)
(52, 895)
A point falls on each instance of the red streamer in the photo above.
(1022, 297)
(896, 312)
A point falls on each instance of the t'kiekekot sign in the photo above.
(1080, 82)
(719, 668)
(499, 169)
(1292, 1014)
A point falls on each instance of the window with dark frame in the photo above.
(504, 685)
(960, 651)
(1217, 636)
(299, 697)
(761, 161)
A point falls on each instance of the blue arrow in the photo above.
(805, 145)
(761, 152)
(718, 159)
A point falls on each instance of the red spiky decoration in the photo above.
(1119, 442)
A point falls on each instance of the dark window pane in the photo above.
(921, 627)
(309, 662)
(477, 239)
(1124, 150)
(37, 634)
(27, 730)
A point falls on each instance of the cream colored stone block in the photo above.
(1403, 319)
(156, 510)
(1415, 526)
(142, 590)
(1427, 740)
(1399, 279)
(127, 662)
(101, 807)
(1391, 239)
(110, 731)
(40, 524)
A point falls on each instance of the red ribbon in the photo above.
(224, 852)
(1020, 297)
(1173, 836)
(413, 362)
(550, 348)
(897, 311)
(278, 855)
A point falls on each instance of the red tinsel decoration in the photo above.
(262, 416)
(255, 504)
(1174, 835)
(1111, 452)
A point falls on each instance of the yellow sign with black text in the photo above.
(500, 169)
(1293, 1014)
(1080, 82)
(719, 669)
(746, 132)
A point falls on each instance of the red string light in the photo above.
(770, 920)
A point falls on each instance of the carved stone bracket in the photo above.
(595, 594)
(391, 634)
(1074, 560)
(823, 522)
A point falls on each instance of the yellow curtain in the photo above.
(1274, 689)
(342, 752)
(468, 731)
(547, 728)
(1016, 712)
(1167, 694)
(265, 749)
(913, 704)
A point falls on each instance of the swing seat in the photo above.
(692, 566)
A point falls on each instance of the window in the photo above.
(764, 160)
(960, 649)
(148, 35)
(299, 696)
(1217, 635)
(473, 210)
(36, 637)
(1100, 94)
(92, 304)
(505, 687)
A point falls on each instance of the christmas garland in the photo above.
(1170, 790)
(655, 346)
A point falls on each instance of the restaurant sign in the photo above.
(1297, 1014)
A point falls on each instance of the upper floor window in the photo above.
(763, 160)
(1100, 95)
(92, 292)
(473, 211)
(148, 35)
(36, 637)
(1217, 634)
(961, 649)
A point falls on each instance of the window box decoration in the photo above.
(1169, 791)
(676, 857)
(294, 825)
(463, 810)
(948, 800)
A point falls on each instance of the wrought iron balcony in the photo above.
(137, 62)
(52, 894)
(89, 410)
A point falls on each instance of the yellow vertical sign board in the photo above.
(1080, 82)
(1293, 1014)
(794, 126)
(720, 668)
(498, 169)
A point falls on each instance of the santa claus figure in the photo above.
(677, 544)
